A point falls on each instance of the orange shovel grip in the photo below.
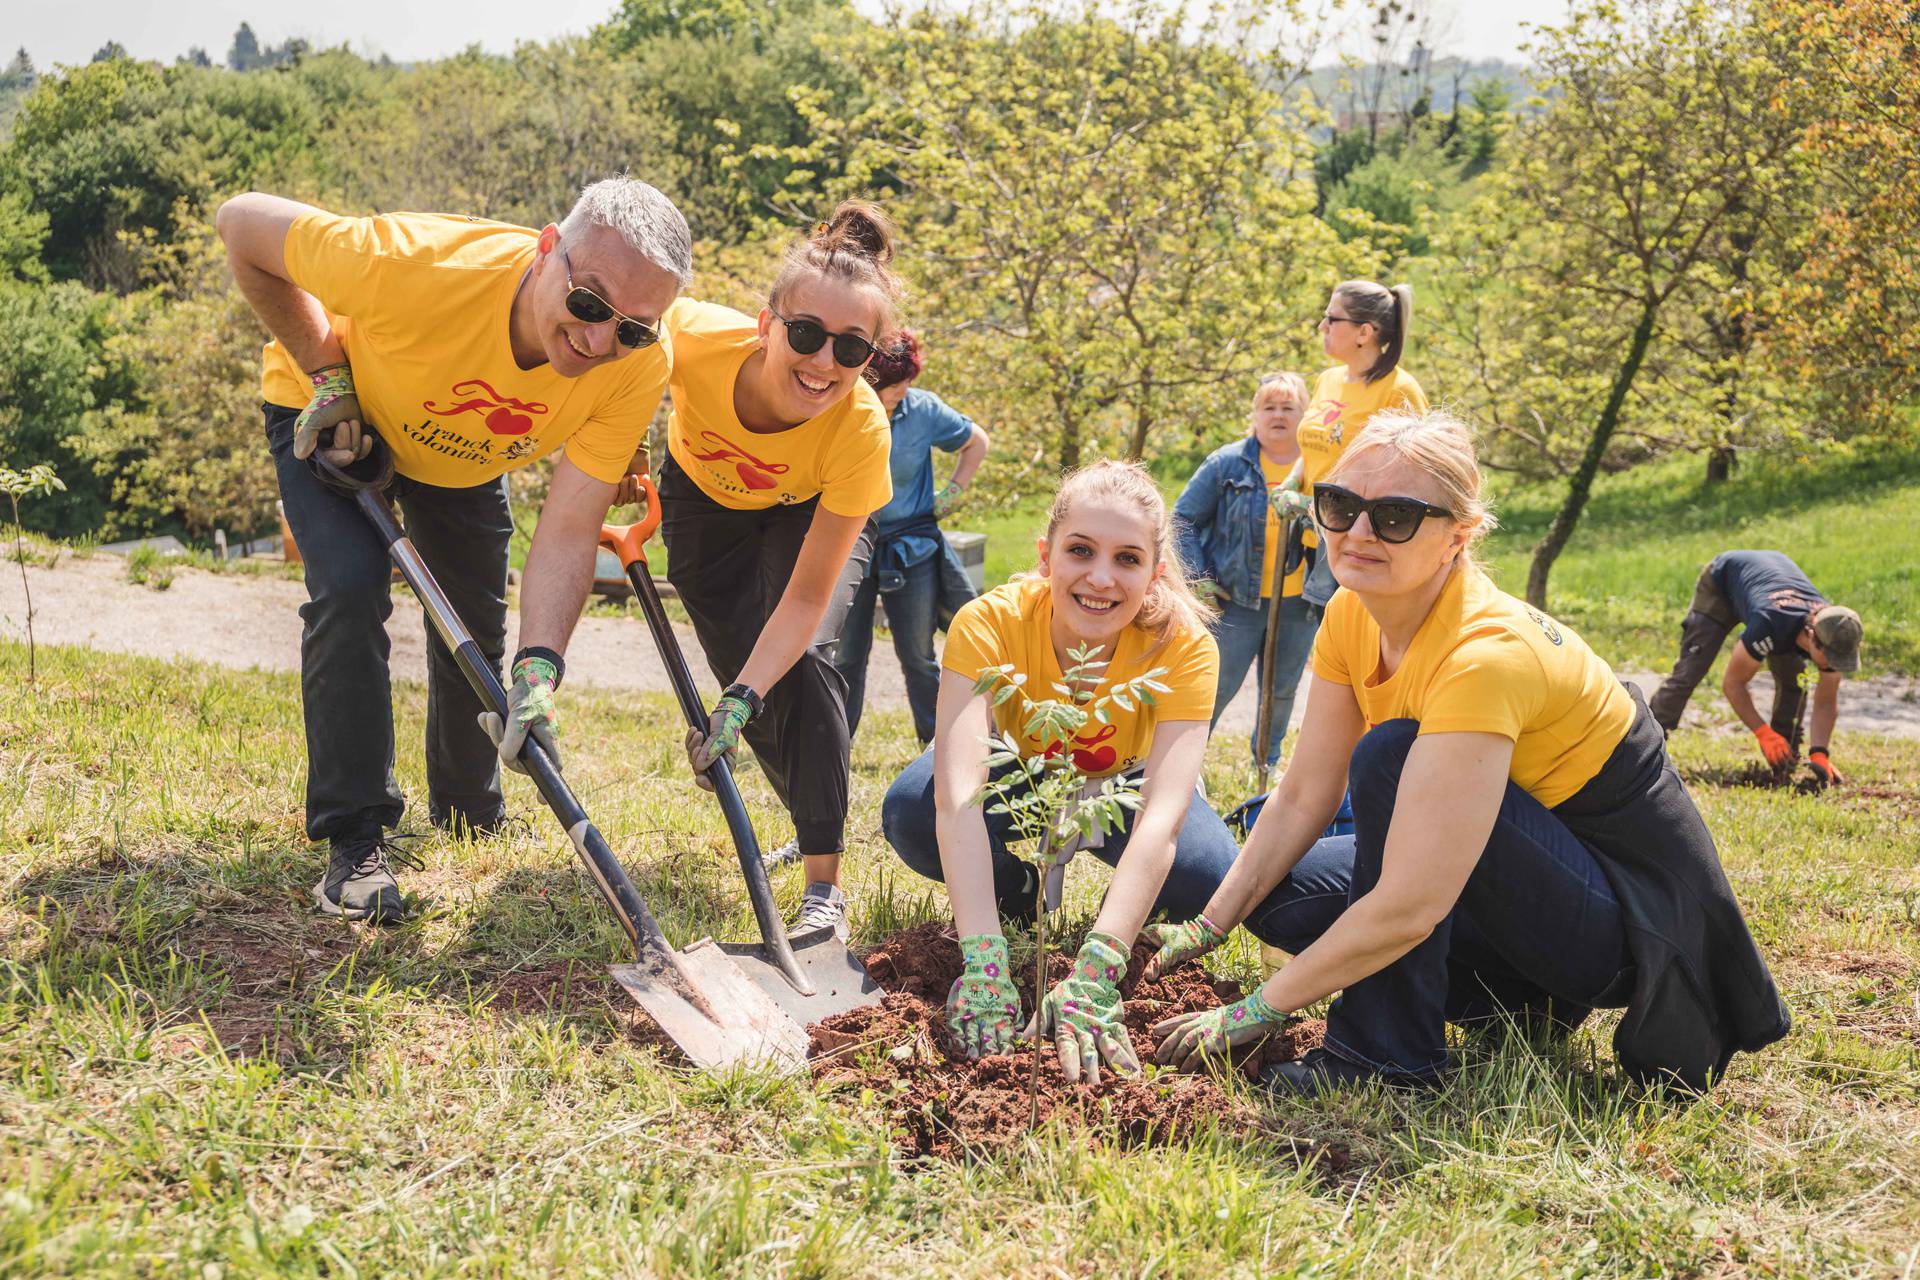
(629, 541)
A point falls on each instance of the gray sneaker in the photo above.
(359, 883)
(788, 852)
(823, 907)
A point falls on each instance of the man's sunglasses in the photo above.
(1394, 520)
(850, 350)
(588, 307)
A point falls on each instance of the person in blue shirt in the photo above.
(1232, 541)
(913, 571)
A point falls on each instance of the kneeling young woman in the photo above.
(1108, 578)
(777, 457)
(1523, 847)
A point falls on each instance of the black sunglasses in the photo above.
(850, 350)
(1394, 520)
(588, 307)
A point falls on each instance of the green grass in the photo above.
(200, 1077)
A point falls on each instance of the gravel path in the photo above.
(246, 621)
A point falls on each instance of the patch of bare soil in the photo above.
(940, 1104)
(1874, 995)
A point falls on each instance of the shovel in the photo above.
(1244, 816)
(809, 975)
(716, 1016)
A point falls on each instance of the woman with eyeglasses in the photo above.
(777, 458)
(1524, 851)
(1364, 331)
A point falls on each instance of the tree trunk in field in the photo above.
(1720, 464)
(1578, 489)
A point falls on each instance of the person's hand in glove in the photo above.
(1776, 749)
(737, 705)
(1179, 943)
(1192, 1040)
(1823, 768)
(1208, 589)
(947, 499)
(334, 413)
(530, 709)
(1292, 504)
(1082, 1013)
(983, 1006)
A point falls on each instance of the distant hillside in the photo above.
(1446, 78)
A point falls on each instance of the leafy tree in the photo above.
(1107, 210)
(19, 74)
(1651, 151)
(54, 370)
(635, 22)
(109, 51)
(196, 57)
(244, 54)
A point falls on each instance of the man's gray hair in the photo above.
(645, 219)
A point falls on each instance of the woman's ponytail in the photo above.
(1389, 311)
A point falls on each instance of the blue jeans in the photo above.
(1202, 852)
(1241, 633)
(910, 615)
(1537, 928)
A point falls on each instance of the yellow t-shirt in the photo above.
(841, 455)
(1484, 662)
(1338, 413)
(1014, 624)
(421, 303)
(1274, 473)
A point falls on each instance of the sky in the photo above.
(411, 30)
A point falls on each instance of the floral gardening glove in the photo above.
(947, 499)
(983, 1008)
(1192, 1040)
(1776, 749)
(730, 716)
(530, 710)
(1180, 943)
(1823, 768)
(1082, 1013)
(334, 404)
(1291, 503)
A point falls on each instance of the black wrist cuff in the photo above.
(1818, 751)
(541, 651)
(746, 695)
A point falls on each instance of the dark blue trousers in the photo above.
(1537, 929)
(1202, 853)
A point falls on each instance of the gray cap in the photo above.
(1837, 628)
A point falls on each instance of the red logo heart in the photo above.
(1096, 760)
(754, 477)
(505, 422)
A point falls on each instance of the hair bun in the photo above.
(860, 227)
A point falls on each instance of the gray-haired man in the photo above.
(472, 347)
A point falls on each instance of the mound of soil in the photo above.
(942, 1105)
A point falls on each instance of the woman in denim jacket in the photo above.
(1231, 540)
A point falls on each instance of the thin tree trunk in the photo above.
(1720, 464)
(1581, 486)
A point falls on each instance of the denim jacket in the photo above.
(1221, 520)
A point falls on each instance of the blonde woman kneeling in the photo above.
(1523, 845)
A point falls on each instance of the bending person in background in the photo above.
(472, 348)
(1364, 330)
(1523, 847)
(777, 456)
(914, 574)
(1231, 540)
(1109, 577)
(1784, 622)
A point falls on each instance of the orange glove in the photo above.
(1774, 747)
(1823, 767)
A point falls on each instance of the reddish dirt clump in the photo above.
(942, 1105)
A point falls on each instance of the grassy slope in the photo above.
(463, 1095)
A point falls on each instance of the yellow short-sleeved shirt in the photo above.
(421, 302)
(1484, 662)
(841, 455)
(1338, 413)
(1014, 624)
(1275, 473)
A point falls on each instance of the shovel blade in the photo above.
(751, 1030)
(839, 981)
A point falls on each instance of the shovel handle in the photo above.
(629, 541)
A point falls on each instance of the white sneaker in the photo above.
(823, 907)
(788, 852)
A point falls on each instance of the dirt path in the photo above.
(241, 620)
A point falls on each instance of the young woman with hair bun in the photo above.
(1523, 851)
(777, 457)
(1364, 330)
(1109, 579)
